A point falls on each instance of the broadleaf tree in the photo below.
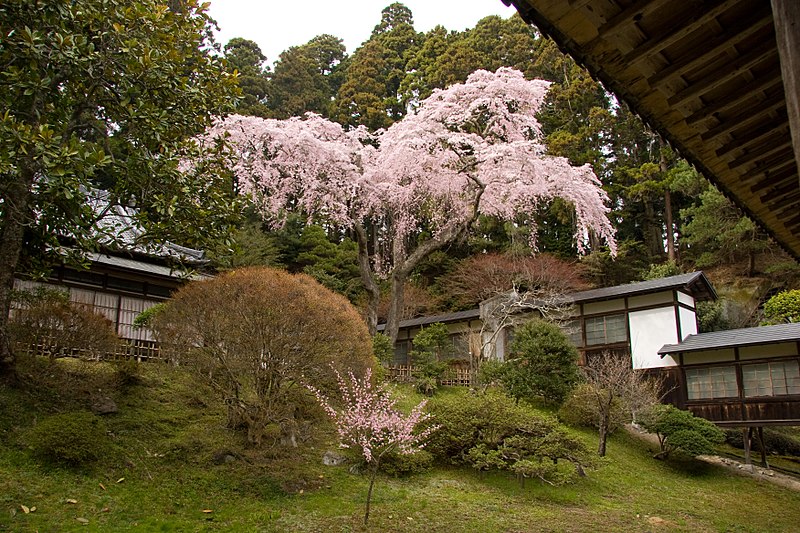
(103, 95)
(419, 186)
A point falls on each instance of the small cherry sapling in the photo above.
(369, 423)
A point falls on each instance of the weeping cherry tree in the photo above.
(472, 149)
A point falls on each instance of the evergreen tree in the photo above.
(245, 57)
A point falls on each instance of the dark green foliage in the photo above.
(711, 316)
(245, 57)
(491, 432)
(251, 246)
(432, 347)
(401, 465)
(681, 431)
(334, 265)
(146, 317)
(542, 363)
(718, 233)
(306, 78)
(783, 308)
(662, 270)
(382, 348)
(72, 439)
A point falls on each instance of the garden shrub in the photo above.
(542, 363)
(580, 409)
(491, 432)
(72, 439)
(681, 431)
(400, 465)
(254, 334)
(432, 348)
(48, 319)
(783, 308)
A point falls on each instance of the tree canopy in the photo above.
(474, 148)
(103, 94)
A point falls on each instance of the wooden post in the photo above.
(786, 14)
(747, 434)
(762, 446)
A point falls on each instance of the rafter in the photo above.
(763, 83)
(724, 74)
(685, 26)
(755, 113)
(724, 41)
(766, 134)
(763, 159)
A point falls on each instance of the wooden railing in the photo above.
(457, 375)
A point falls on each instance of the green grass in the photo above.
(161, 476)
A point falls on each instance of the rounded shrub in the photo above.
(406, 464)
(256, 335)
(73, 439)
(542, 363)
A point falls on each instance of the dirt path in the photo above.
(740, 468)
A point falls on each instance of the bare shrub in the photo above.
(254, 334)
(613, 393)
(46, 321)
(486, 275)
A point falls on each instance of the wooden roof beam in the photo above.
(633, 13)
(765, 159)
(772, 177)
(724, 74)
(691, 21)
(780, 191)
(728, 39)
(737, 98)
(786, 201)
(766, 134)
(750, 115)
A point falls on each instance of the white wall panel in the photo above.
(688, 322)
(650, 330)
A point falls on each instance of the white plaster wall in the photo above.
(604, 307)
(646, 300)
(685, 299)
(651, 329)
(688, 322)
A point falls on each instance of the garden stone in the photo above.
(333, 459)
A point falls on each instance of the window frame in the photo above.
(589, 338)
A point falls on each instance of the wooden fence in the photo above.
(139, 350)
(456, 375)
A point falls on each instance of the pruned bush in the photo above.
(71, 439)
(254, 334)
(681, 431)
(401, 465)
(783, 308)
(542, 363)
(491, 432)
(432, 347)
(46, 321)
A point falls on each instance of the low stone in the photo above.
(332, 458)
(104, 405)
(224, 457)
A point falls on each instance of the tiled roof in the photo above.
(694, 283)
(733, 338)
(117, 229)
(444, 318)
(141, 266)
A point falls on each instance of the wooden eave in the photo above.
(707, 76)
